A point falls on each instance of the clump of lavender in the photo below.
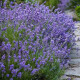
(64, 4)
(32, 36)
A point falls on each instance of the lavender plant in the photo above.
(34, 42)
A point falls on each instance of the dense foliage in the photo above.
(34, 42)
(74, 3)
(50, 3)
(77, 10)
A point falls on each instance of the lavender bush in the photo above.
(34, 42)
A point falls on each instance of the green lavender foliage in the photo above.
(77, 10)
(74, 3)
(51, 3)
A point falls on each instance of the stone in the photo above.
(77, 38)
(77, 43)
(75, 62)
(76, 78)
(77, 25)
(76, 47)
(64, 77)
(75, 71)
(75, 54)
(71, 13)
(77, 32)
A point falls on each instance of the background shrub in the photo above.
(74, 3)
(77, 10)
(50, 3)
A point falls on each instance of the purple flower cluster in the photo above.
(64, 4)
(32, 36)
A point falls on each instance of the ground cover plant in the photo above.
(34, 42)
